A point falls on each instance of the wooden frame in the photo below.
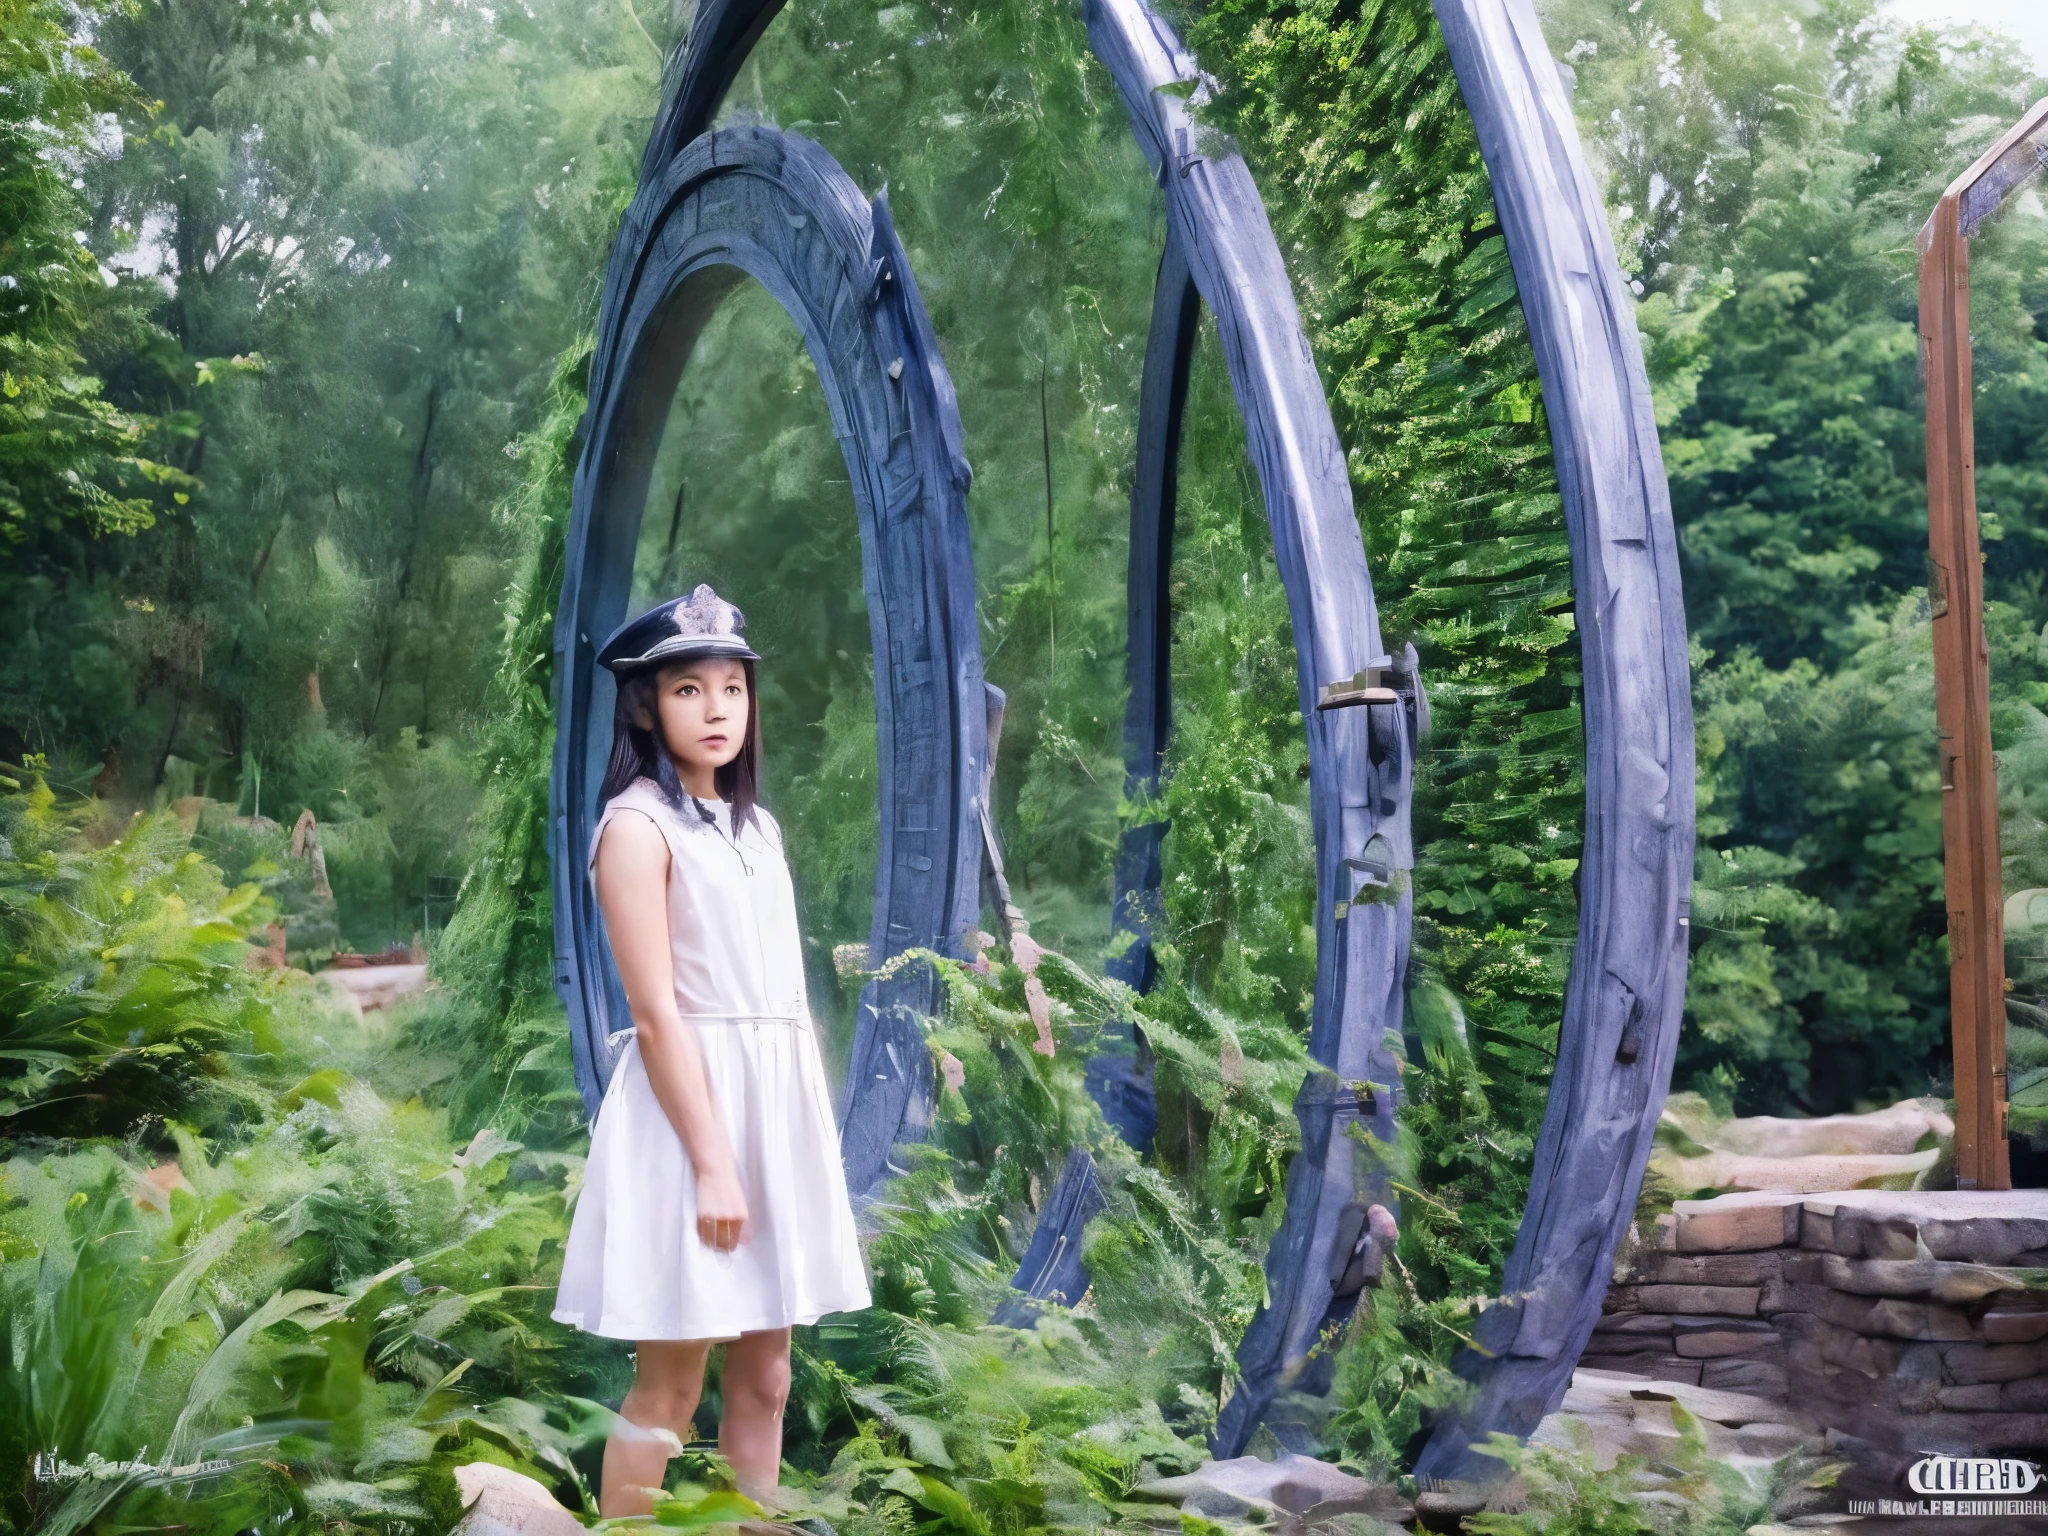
(1972, 876)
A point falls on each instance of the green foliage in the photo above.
(1027, 211)
(1686, 1492)
(496, 1020)
(1351, 119)
(1774, 250)
(362, 232)
(121, 973)
(69, 457)
(364, 237)
(1009, 1431)
(286, 1280)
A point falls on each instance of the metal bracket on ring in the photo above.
(1375, 684)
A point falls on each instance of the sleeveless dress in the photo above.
(635, 1267)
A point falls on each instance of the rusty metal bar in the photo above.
(1972, 876)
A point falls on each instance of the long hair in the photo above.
(639, 753)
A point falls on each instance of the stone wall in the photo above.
(1905, 1319)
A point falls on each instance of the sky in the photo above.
(2026, 20)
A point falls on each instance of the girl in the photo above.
(714, 1207)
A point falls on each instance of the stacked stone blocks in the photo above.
(1895, 1317)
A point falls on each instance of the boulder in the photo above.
(497, 1501)
(1290, 1485)
(1895, 1148)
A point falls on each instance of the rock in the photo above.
(1873, 1359)
(1732, 1223)
(1649, 1325)
(1289, 1484)
(1729, 1170)
(1444, 1509)
(1897, 1146)
(1955, 1284)
(1591, 1390)
(1977, 1399)
(1608, 1416)
(1718, 1300)
(1893, 1317)
(1644, 1367)
(1979, 1226)
(1969, 1364)
(1755, 1378)
(1769, 1441)
(1897, 1130)
(1720, 1342)
(1710, 1269)
(500, 1502)
(378, 986)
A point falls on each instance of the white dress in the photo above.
(635, 1267)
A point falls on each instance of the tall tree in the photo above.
(1768, 167)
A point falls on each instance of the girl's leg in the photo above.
(755, 1385)
(668, 1378)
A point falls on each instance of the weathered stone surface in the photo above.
(1957, 1284)
(1734, 1223)
(1730, 1409)
(1975, 1226)
(1629, 1346)
(2012, 1327)
(1648, 1367)
(1867, 1357)
(1892, 1318)
(1957, 1433)
(1720, 1343)
(1799, 1175)
(1621, 1298)
(1831, 1153)
(1873, 1235)
(1884, 1323)
(1708, 1269)
(1969, 1364)
(2028, 1396)
(1648, 1325)
(1684, 1323)
(1770, 1441)
(1609, 1416)
(1896, 1130)
(1978, 1399)
(501, 1502)
(1717, 1300)
(1802, 1267)
(1289, 1484)
(1758, 1378)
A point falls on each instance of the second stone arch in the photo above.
(1363, 710)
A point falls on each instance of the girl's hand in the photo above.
(721, 1211)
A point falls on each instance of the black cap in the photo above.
(702, 624)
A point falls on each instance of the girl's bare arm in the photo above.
(632, 888)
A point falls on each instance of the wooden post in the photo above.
(1972, 876)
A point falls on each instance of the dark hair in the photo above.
(639, 753)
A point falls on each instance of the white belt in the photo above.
(617, 1039)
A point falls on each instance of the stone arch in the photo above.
(1363, 710)
(1626, 991)
(757, 203)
